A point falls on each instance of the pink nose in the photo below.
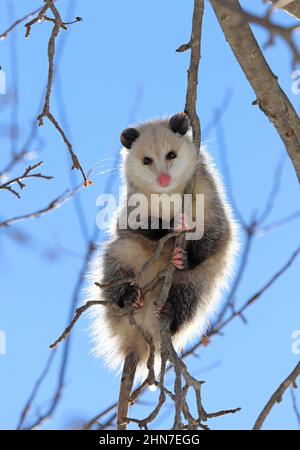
(164, 180)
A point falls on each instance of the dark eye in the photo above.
(171, 155)
(147, 161)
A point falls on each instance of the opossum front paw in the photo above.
(132, 297)
(181, 223)
(179, 258)
(165, 311)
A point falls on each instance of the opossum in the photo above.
(159, 157)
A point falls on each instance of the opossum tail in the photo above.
(129, 369)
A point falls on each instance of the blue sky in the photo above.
(120, 62)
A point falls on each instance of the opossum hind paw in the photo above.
(165, 311)
(132, 297)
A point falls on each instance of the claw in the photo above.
(164, 310)
(159, 311)
(179, 258)
(181, 223)
(133, 298)
(138, 302)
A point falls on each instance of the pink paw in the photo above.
(138, 301)
(166, 310)
(181, 223)
(179, 258)
(133, 298)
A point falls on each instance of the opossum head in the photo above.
(159, 156)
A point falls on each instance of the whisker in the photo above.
(105, 159)
(114, 169)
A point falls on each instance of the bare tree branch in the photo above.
(58, 26)
(167, 349)
(57, 395)
(215, 330)
(287, 33)
(279, 223)
(295, 406)
(150, 286)
(54, 204)
(276, 397)
(78, 313)
(270, 97)
(17, 22)
(91, 246)
(256, 296)
(292, 7)
(35, 390)
(184, 381)
(194, 45)
(25, 176)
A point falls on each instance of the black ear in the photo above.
(128, 136)
(179, 123)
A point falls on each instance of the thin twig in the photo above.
(295, 406)
(54, 204)
(46, 112)
(286, 33)
(57, 395)
(194, 45)
(35, 390)
(276, 397)
(17, 22)
(27, 174)
(78, 313)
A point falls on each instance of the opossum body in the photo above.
(160, 157)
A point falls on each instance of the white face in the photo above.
(159, 161)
